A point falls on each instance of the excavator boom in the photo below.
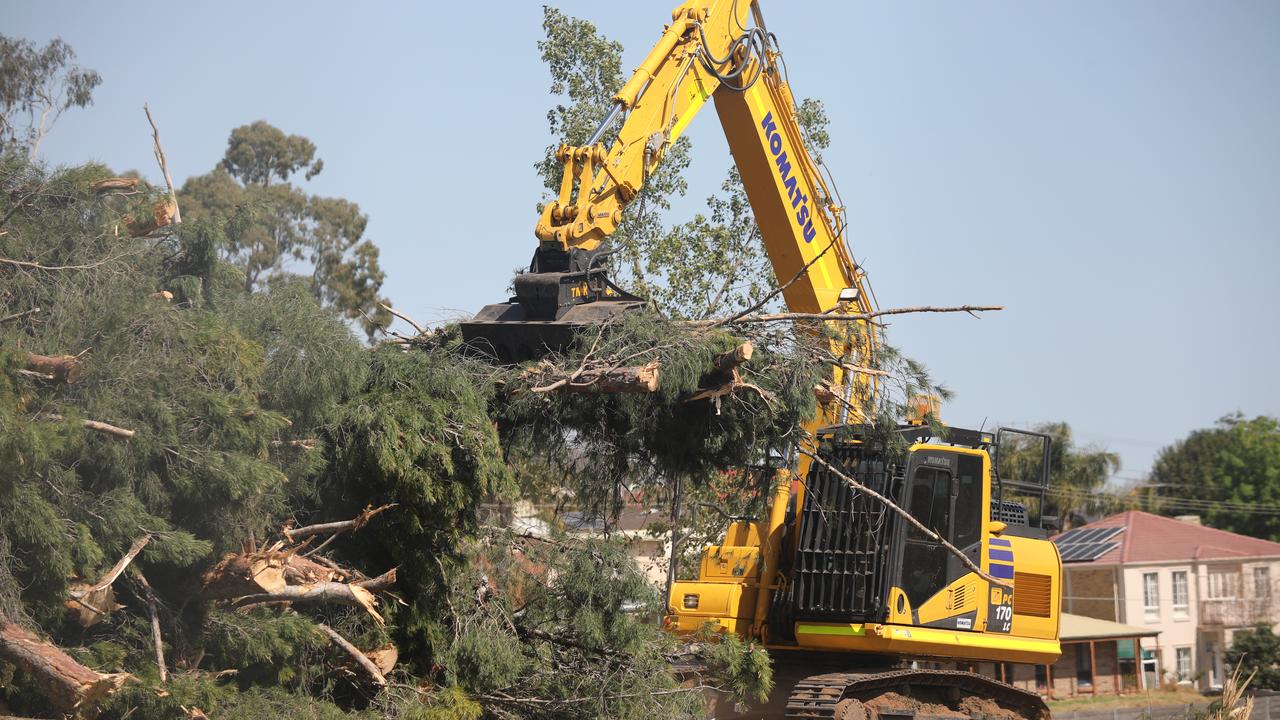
(856, 596)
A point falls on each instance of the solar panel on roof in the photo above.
(1086, 536)
(1066, 537)
(1086, 552)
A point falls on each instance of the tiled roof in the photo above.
(1153, 538)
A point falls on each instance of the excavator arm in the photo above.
(718, 50)
(713, 49)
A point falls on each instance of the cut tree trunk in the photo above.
(245, 574)
(321, 592)
(639, 379)
(727, 362)
(62, 368)
(68, 686)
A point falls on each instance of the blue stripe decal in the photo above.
(1000, 541)
(994, 554)
(1004, 572)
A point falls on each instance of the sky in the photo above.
(1109, 172)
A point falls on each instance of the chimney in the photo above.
(1189, 519)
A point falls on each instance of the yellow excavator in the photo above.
(866, 614)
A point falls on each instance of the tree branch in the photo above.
(361, 659)
(156, 639)
(111, 575)
(850, 317)
(164, 167)
(19, 316)
(321, 592)
(295, 534)
(778, 290)
(97, 426)
(418, 328)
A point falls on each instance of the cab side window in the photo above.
(968, 510)
(931, 501)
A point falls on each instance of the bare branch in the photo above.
(156, 639)
(19, 316)
(295, 534)
(97, 426)
(361, 659)
(164, 167)
(116, 570)
(778, 290)
(850, 317)
(418, 328)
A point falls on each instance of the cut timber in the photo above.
(245, 574)
(162, 214)
(382, 582)
(67, 685)
(727, 362)
(321, 592)
(115, 183)
(384, 658)
(62, 368)
(303, 571)
(97, 426)
(639, 379)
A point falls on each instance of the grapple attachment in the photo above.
(561, 294)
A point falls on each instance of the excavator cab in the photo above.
(857, 577)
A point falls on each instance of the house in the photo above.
(1193, 584)
(1099, 657)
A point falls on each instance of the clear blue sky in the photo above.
(1109, 171)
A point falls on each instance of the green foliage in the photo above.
(282, 231)
(1256, 650)
(563, 628)
(36, 86)
(259, 152)
(1237, 461)
(653, 437)
(264, 648)
(417, 434)
(208, 384)
(219, 700)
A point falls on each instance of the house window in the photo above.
(1262, 581)
(1151, 596)
(1183, 667)
(1223, 585)
(1181, 604)
(1084, 668)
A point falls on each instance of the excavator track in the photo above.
(905, 694)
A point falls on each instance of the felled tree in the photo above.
(210, 382)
